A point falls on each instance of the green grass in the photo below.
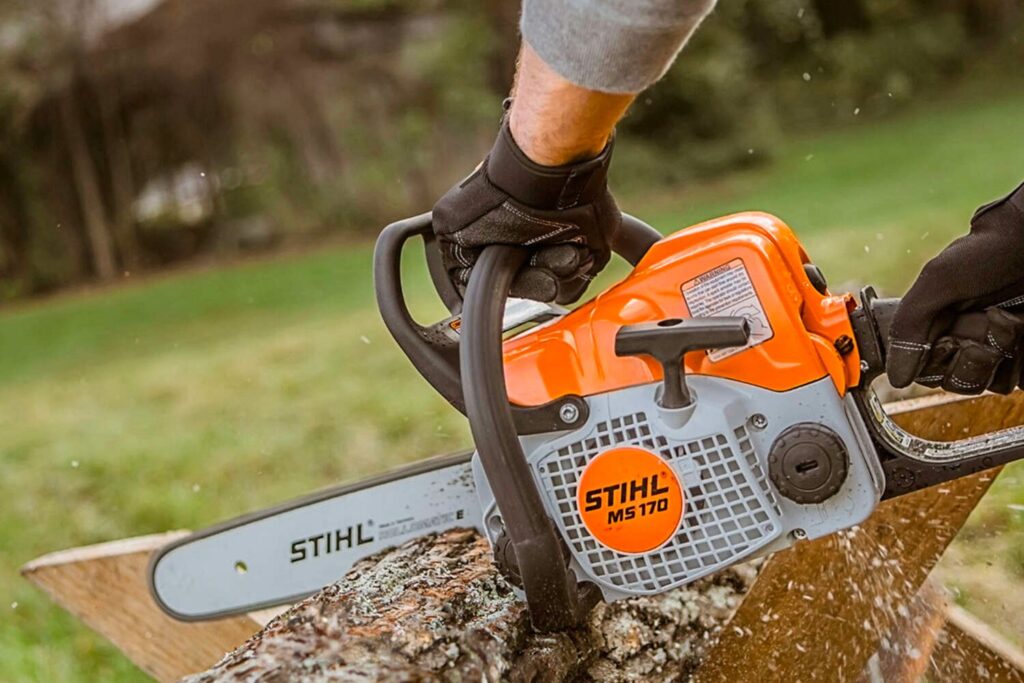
(873, 201)
(189, 398)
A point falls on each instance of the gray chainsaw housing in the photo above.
(719, 448)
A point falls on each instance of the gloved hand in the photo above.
(961, 325)
(563, 214)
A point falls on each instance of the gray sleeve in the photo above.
(616, 46)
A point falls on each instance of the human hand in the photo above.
(961, 325)
(564, 215)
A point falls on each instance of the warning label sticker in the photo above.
(727, 291)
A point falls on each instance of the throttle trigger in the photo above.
(668, 341)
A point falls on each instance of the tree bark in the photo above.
(437, 609)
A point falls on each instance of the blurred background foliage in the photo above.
(141, 134)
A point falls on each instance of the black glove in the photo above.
(564, 214)
(961, 325)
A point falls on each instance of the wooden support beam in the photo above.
(968, 650)
(942, 643)
(820, 610)
(105, 586)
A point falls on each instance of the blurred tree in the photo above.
(503, 18)
(844, 15)
(209, 127)
(63, 25)
(991, 17)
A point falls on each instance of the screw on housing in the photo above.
(569, 413)
(758, 421)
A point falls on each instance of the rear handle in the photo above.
(910, 462)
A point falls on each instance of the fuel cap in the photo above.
(808, 463)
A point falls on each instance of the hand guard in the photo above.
(564, 214)
(961, 325)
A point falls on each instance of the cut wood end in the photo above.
(100, 551)
(985, 636)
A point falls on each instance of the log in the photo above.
(436, 608)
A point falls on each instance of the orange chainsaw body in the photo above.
(747, 264)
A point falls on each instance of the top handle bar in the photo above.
(433, 354)
(466, 366)
(634, 239)
(555, 600)
(434, 349)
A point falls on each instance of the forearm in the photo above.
(582, 64)
(544, 184)
(556, 122)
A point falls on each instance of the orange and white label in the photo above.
(630, 500)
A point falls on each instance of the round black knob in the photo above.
(808, 463)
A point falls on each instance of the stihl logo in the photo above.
(329, 542)
(626, 492)
(630, 500)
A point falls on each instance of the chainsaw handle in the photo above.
(911, 463)
(391, 242)
(871, 322)
(432, 356)
(434, 349)
(554, 599)
(633, 239)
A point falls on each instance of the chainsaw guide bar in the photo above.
(283, 554)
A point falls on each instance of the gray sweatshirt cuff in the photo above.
(615, 46)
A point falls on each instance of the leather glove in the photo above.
(563, 214)
(961, 325)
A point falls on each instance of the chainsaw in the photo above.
(712, 407)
